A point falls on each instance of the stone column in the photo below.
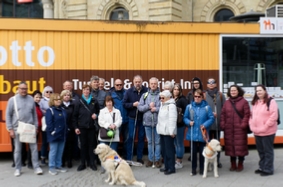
(48, 11)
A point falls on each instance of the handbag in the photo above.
(96, 126)
(26, 131)
(107, 133)
(248, 128)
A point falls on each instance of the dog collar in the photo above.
(209, 155)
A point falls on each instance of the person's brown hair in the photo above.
(86, 86)
(54, 96)
(256, 98)
(198, 91)
(109, 98)
(179, 88)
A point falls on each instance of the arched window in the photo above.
(119, 14)
(223, 15)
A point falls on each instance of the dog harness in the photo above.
(117, 160)
(209, 155)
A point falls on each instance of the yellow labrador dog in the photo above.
(119, 171)
(210, 156)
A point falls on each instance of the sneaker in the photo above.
(178, 165)
(149, 164)
(42, 162)
(193, 173)
(52, 171)
(38, 171)
(61, 169)
(158, 164)
(17, 173)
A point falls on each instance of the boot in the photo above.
(240, 165)
(233, 165)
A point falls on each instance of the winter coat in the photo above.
(105, 119)
(100, 96)
(263, 122)
(39, 115)
(149, 118)
(201, 114)
(69, 110)
(182, 103)
(43, 104)
(56, 122)
(82, 117)
(219, 105)
(167, 118)
(131, 96)
(118, 104)
(234, 127)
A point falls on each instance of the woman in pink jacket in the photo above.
(263, 123)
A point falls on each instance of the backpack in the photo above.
(268, 104)
(179, 114)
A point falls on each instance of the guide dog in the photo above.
(118, 170)
(210, 156)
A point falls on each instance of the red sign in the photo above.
(24, 1)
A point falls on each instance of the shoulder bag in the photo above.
(233, 105)
(26, 131)
(105, 133)
(96, 126)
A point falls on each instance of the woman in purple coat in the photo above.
(234, 122)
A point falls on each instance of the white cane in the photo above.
(192, 127)
(134, 134)
(153, 141)
(215, 110)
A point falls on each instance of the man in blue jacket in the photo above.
(117, 93)
(131, 102)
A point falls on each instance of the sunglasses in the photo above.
(197, 96)
(118, 84)
(211, 82)
(48, 92)
(161, 98)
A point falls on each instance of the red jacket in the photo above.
(39, 115)
(235, 128)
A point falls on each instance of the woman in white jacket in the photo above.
(110, 118)
(167, 128)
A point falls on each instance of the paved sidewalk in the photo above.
(152, 177)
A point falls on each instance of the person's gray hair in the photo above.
(166, 93)
(47, 88)
(168, 85)
(153, 78)
(65, 92)
(102, 79)
(137, 76)
(67, 81)
(94, 78)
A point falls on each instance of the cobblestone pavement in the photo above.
(152, 177)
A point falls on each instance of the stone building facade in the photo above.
(152, 10)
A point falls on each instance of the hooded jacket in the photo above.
(149, 118)
(201, 114)
(167, 118)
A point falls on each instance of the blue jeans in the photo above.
(44, 145)
(56, 153)
(153, 151)
(179, 142)
(130, 141)
(114, 145)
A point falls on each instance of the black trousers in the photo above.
(197, 148)
(88, 139)
(69, 146)
(264, 146)
(168, 151)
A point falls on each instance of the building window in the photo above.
(119, 14)
(11, 8)
(223, 15)
(248, 61)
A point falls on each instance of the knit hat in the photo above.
(166, 93)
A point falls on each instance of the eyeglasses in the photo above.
(211, 82)
(161, 98)
(118, 84)
(48, 92)
(23, 88)
(197, 96)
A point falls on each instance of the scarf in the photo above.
(212, 92)
(87, 100)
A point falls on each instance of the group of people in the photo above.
(74, 123)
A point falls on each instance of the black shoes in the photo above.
(93, 167)
(193, 173)
(263, 174)
(258, 171)
(69, 165)
(168, 172)
(163, 170)
(81, 167)
(140, 161)
(219, 165)
(201, 172)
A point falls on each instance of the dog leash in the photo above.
(204, 133)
